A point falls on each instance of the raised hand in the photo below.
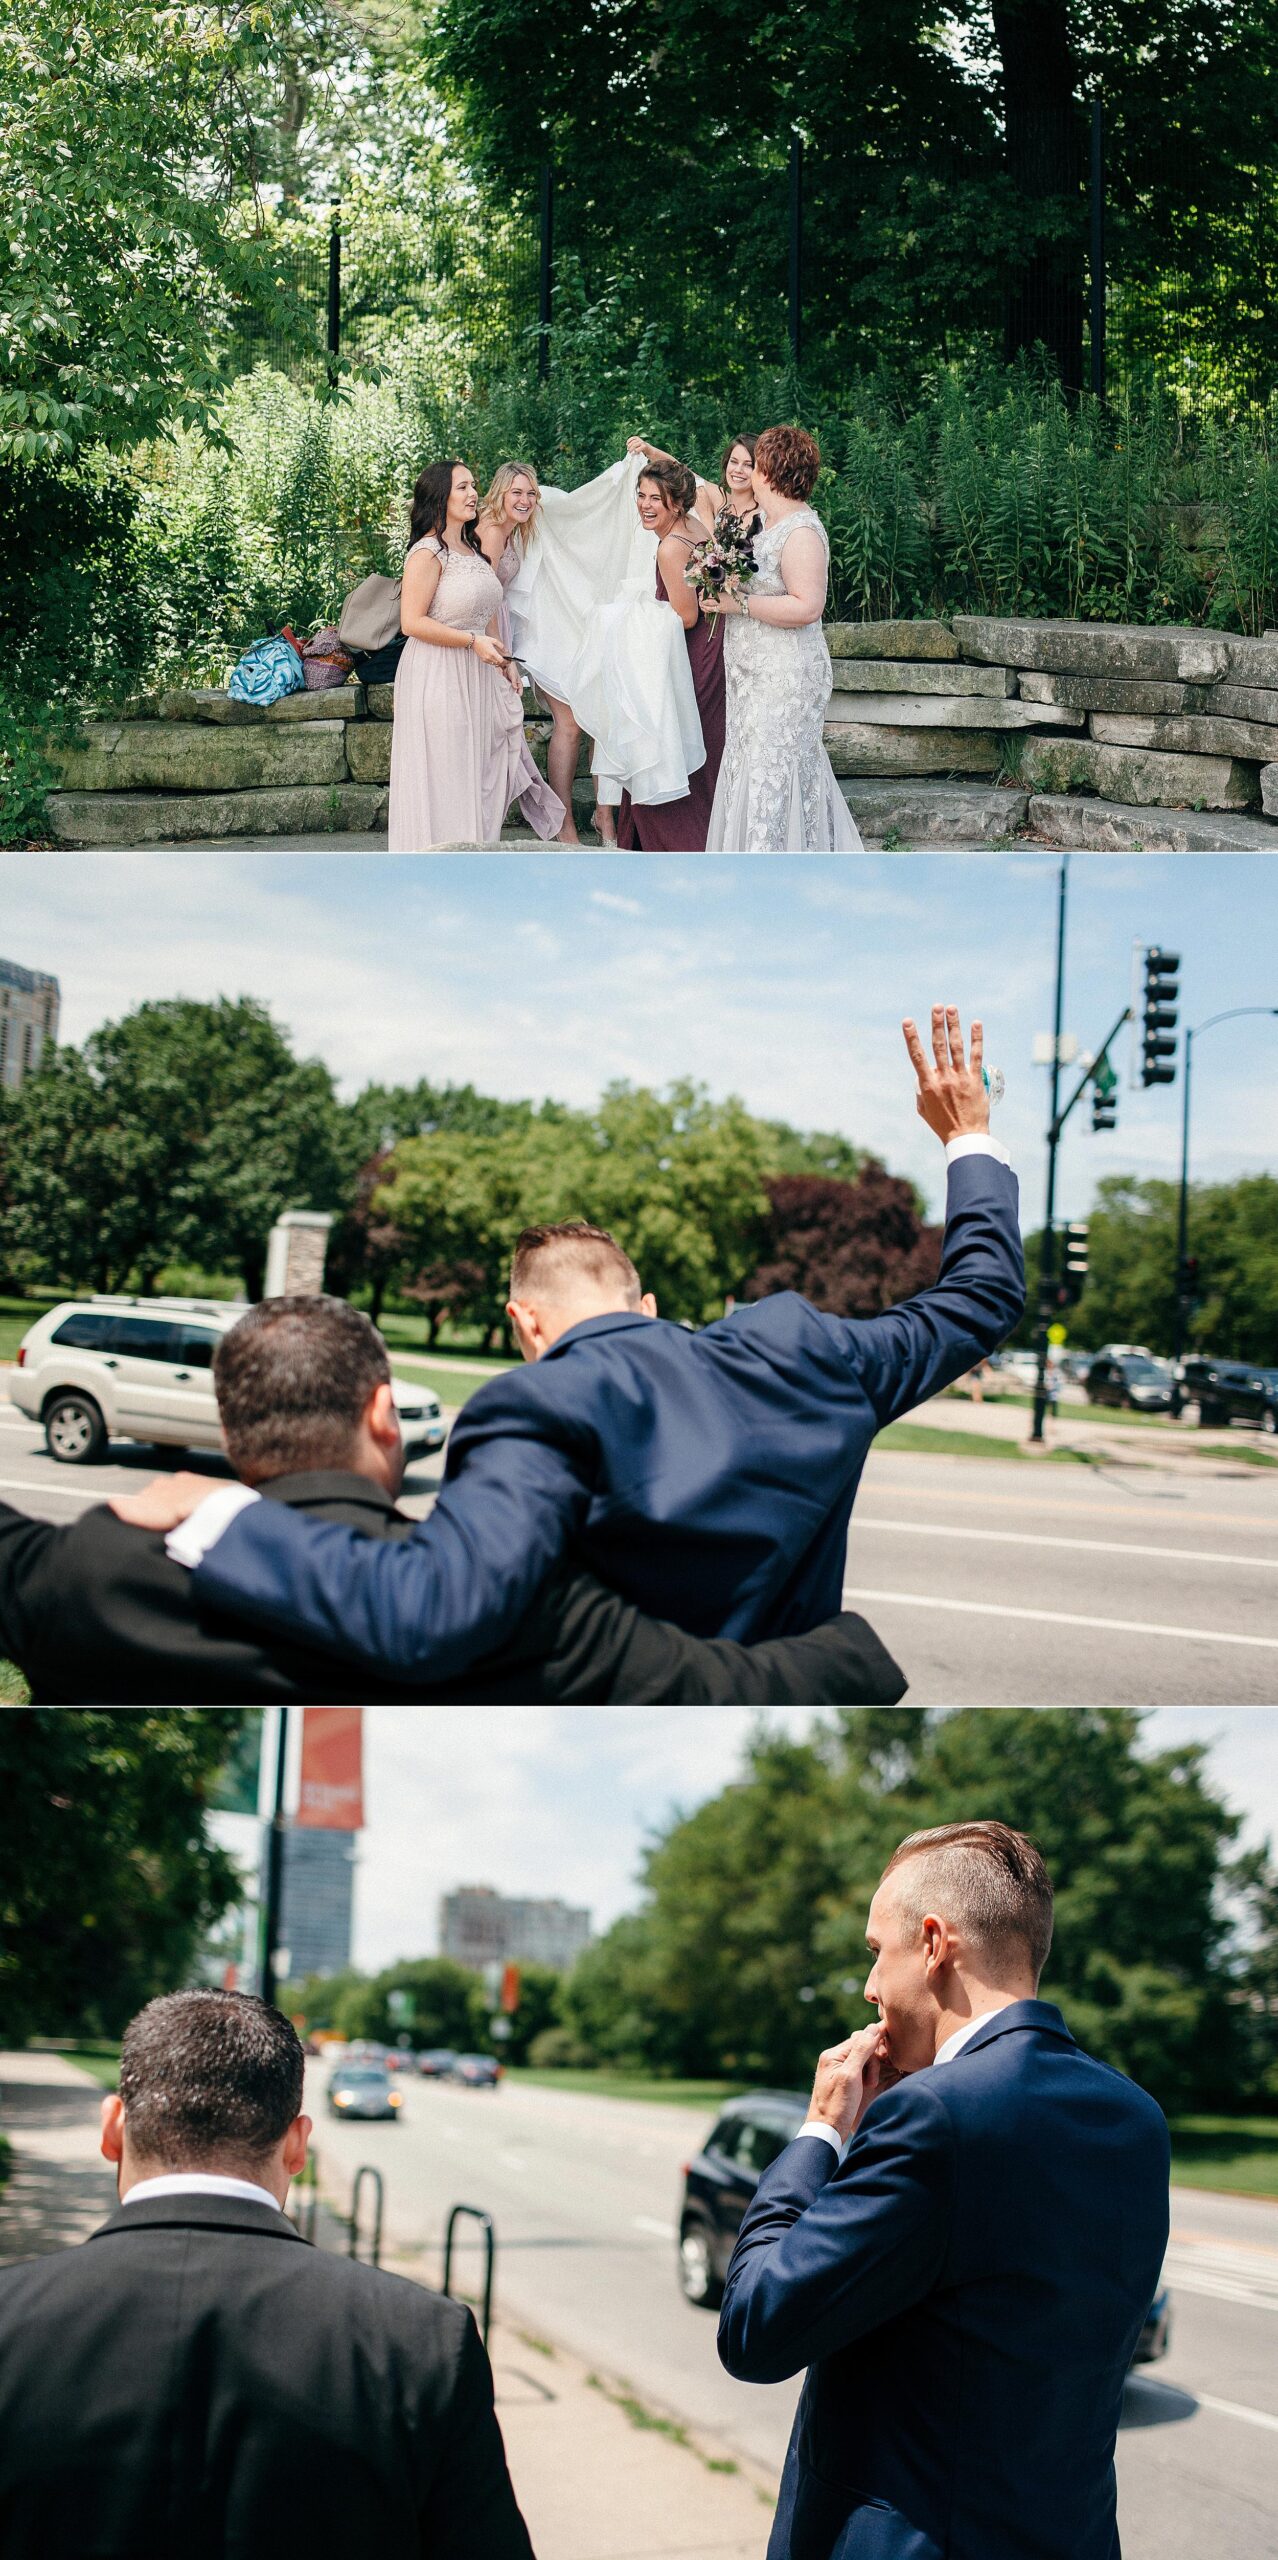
(951, 1096)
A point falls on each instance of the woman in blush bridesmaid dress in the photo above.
(666, 494)
(459, 756)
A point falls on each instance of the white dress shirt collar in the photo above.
(196, 2182)
(955, 2043)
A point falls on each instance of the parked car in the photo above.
(363, 2089)
(1018, 1368)
(475, 2071)
(437, 2064)
(1232, 1391)
(719, 2184)
(1130, 1378)
(99, 1369)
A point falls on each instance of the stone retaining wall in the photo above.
(967, 732)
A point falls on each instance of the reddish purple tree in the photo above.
(852, 1248)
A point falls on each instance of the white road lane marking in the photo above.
(1059, 1618)
(661, 2230)
(64, 1492)
(1235, 2409)
(1083, 1546)
(1232, 2274)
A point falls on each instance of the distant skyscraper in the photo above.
(315, 1916)
(29, 1007)
(479, 1926)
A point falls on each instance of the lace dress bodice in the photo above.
(469, 593)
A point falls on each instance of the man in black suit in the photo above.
(197, 2379)
(98, 1614)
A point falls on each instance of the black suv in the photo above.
(718, 2185)
(1125, 1378)
(1232, 1391)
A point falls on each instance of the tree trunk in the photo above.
(1043, 112)
(253, 1273)
(375, 1302)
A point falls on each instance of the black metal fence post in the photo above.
(547, 268)
(795, 295)
(334, 291)
(474, 2213)
(1098, 249)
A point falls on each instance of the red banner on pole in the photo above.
(332, 1795)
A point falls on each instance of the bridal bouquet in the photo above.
(727, 554)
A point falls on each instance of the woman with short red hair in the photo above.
(777, 791)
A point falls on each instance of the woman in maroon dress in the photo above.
(666, 496)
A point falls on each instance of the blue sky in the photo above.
(559, 1800)
(782, 978)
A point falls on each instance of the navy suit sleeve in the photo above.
(828, 2251)
(421, 1607)
(916, 1349)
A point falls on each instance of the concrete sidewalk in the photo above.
(1094, 1433)
(598, 2475)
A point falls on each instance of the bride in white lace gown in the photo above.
(776, 791)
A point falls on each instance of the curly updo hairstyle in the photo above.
(431, 493)
(676, 482)
(789, 459)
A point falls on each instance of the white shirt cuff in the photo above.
(190, 1542)
(977, 1144)
(825, 2132)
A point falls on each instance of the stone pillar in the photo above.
(295, 1254)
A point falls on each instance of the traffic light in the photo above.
(1104, 1096)
(1073, 1263)
(1187, 1279)
(1161, 990)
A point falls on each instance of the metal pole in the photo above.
(1182, 1238)
(274, 1866)
(334, 291)
(547, 268)
(796, 250)
(1098, 249)
(1047, 1262)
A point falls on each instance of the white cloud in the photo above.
(616, 905)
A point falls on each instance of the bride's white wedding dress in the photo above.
(589, 629)
(777, 791)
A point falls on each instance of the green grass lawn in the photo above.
(17, 1315)
(100, 2062)
(633, 2084)
(6, 2160)
(453, 1387)
(13, 1688)
(1238, 2154)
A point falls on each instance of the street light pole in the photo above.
(274, 1867)
(1047, 1253)
(1239, 1013)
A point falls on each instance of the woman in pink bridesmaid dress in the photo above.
(459, 756)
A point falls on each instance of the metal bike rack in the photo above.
(375, 2245)
(477, 2214)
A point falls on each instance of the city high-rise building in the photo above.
(479, 1926)
(316, 1901)
(29, 1009)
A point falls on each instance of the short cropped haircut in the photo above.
(676, 482)
(990, 1881)
(790, 459)
(292, 1379)
(551, 1261)
(208, 2076)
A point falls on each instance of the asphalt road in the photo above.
(995, 1582)
(585, 2191)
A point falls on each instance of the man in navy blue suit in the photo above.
(708, 1477)
(967, 2279)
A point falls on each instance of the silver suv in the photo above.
(97, 1369)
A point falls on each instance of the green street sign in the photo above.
(1105, 1080)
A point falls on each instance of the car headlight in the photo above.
(342, 2098)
